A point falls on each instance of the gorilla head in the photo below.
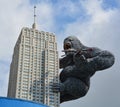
(72, 44)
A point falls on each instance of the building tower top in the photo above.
(34, 24)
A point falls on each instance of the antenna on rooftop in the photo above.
(34, 14)
(34, 24)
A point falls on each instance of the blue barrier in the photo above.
(10, 102)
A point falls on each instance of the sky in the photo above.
(94, 22)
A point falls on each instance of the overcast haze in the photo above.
(94, 22)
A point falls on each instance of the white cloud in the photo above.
(45, 17)
(3, 79)
(101, 24)
(68, 8)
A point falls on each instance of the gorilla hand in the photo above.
(58, 87)
(80, 58)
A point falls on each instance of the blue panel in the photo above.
(9, 102)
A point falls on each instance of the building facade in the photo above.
(34, 67)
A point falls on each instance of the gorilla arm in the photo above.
(102, 61)
(65, 61)
(95, 59)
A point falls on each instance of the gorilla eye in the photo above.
(70, 39)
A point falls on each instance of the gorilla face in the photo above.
(72, 44)
(67, 45)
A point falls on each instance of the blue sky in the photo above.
(94, 22)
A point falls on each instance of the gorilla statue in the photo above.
(78, 65)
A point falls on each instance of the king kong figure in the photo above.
(78, 65)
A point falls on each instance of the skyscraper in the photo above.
(34, 67)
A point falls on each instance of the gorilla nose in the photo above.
(67, 46)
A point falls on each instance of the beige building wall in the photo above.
(34, 67)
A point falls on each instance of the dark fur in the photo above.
(78, 67)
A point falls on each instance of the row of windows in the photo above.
(42, 34)
(37, 64)
(38, 53)
(27, 51)
(32, 37)
(38, 45)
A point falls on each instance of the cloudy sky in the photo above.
(94, 22)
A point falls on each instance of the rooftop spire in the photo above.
(34, 24)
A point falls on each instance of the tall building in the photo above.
(34, 67)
